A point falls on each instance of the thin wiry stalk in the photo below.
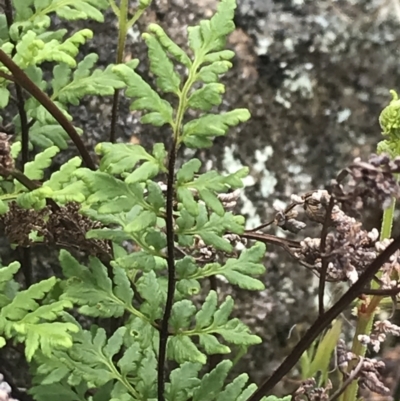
(324, 321)
(171, 272)
(123, 25)
(348, 381)
(122, 21)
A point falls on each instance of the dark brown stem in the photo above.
(171, 271)
(25, 252)
(324, 321)
(114, 116)
(31, 185)
(286, 244)
(264, 225)
(260, 227)
(387, 292)
(26, 264)
(24, 180)
(22, 79)
(122, 29)
(20, 97)
(215, 359)
(273, 239)
(24, 126)
(324, 264)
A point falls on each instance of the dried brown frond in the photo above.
(63, 227)
(308, 390)
(368, 371)
(6, 160)
(372, 181)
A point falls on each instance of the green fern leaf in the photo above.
(130, 360)
(183, 381)
(211, 34)
(142, 221)
(238, 271)
(47, 135)
(213, 181)
(25, 320)
(8, 286)
(62, 76)
(81, 9)
(206, 97)
(182, 349)
(122, 158)
(188, 170)
(211, 73)
(63, 390)
(35, 169)
(46, 336)
(197, 132)
(212, 383)
(210, 320)
(161, 66)
(184, 268)
(119, 394)
(210, 230)
(148, 99)
(25, 301)
(33, 10)
(100, 82)
(169, 45)
(114, 343)
(93, 290)
(141, 260)
(38, 112)
(221, 23)
(185, 196)
(90, 355)
(206, 185)
(155, 196)
(106, 190)
(34, 51)
(147, 373)
(221, 55)
(149, 289)
(4, 95)
(61, 178)
(204, 316)
(181, 315)
(234, 389)
(7, 273)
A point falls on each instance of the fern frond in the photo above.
(211, 320)
(25, 320)
(68, 88)
(34, 51)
